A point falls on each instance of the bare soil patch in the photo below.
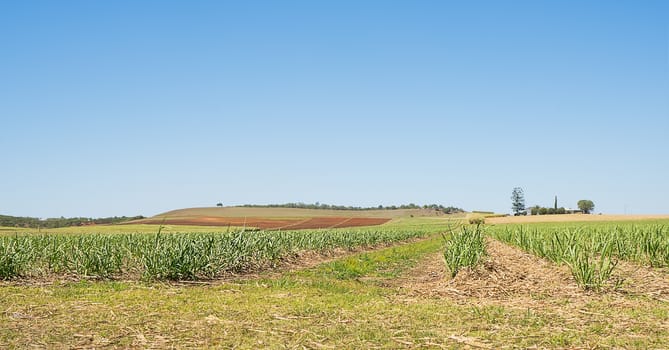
(570, 218)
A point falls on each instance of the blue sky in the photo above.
(126, 107)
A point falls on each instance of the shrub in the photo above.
(476, 219)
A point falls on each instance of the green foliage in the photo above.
(317, 205)
(591, 251)
(586, 205)
(591, 274)
(464, 248)
(16, 221)
(178, 256)
(534, 210)
(518, 201)
(537, 210)
(11, 259)
(476, 219)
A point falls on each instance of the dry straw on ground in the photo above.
(514, 277)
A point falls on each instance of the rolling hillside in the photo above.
(284, 218)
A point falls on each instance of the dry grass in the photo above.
(508, 275)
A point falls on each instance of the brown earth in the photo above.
(267, 223)
(570, 218)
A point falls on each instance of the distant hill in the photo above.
(280, 212)
(282, 218)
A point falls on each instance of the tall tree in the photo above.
(518, 201)
(555, 204)
(586, 205)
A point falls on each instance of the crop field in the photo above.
(427, 282)
(285, 218)
(175, 256)
(571, 218)
(592, 252)
(115, 229)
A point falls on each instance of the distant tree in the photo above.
(555, 204)
(219, 204)
(518, 201)
(60, 222)
(586, 205)
(318, 205)
(535, 210)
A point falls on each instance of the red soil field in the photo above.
(268, 224)
(354, 222)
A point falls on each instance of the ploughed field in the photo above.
(268, 223)
(283, 218)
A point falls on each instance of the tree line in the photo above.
(317, 205)
(31, 222)
(586, 206)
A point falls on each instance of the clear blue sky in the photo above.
(138, 107)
